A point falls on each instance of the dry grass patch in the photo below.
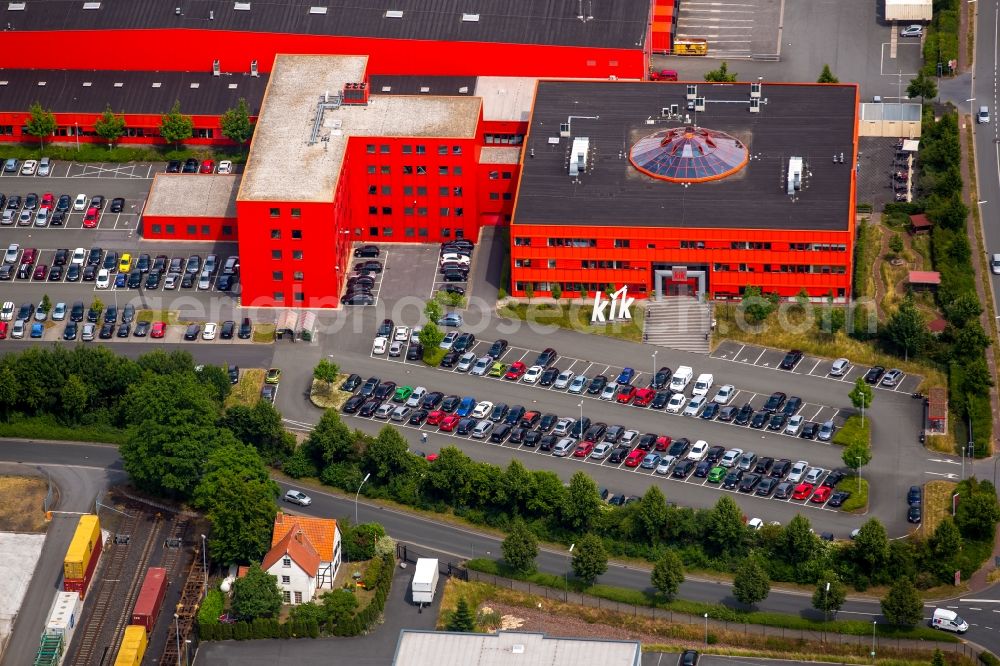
(944, 443)
(326, 395)
(247, 390)
(21, 500)
(170, 316)
(937, 504)
(263, 332)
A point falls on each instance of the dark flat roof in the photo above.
(809, 121)
(616, 23)
(406, 84)
(65, 91)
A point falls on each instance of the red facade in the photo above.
(140, 129)
(162, 227)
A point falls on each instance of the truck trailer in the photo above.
(425, 580)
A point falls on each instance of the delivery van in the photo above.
(947, 620)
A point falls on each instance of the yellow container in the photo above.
(81, 548)
(690, 47)
(133, 646)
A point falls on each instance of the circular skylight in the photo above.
(688, 155)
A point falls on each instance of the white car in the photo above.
(12, 251)
(608, 393)
(676, 403)
(798, 471)
(298, 497)
(380, 345)
(814, 475)
(724, 394)
(995, 264)
(629, 437)
(755, 524)
(601, 451)
(465, 362)
(415, 335)
(402, 334)
(698, 451)
(730, 457)
(415, 397)
(666, 464)
(79, 256)
(482, 366)
(533, 373)
(448, 340)
(794, 425)
(81, 201)
(7, 312)
(695, 406)
(482, 409)
(209, 331)
(912, 31)
(29, 167)
(841, 366)
(204, 281)
(225, 167)
(578, 384)
(563, 380)
(456, 258)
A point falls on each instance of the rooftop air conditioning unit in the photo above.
(253, 69)
(794, 182)
(578, 156)
(699, 104)
(754, 105)
(754, 90)
(692, 91)
(216, 70)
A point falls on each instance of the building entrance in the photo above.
(680, 281)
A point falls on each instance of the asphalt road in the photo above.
(982, 89)
(454, 543)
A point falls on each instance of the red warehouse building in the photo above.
(673, 189)
(559, 38)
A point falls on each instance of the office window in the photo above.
(227, 230)
(297, 234)
(457, 171)
(456, 150)
(299, 297)
(421, 150)
(190, 230)
(276, 254)
(552, 263)
(422, 212)
(421, 170)
(409, 232)
(444, 212)
(277, 275)
(507, 196)
(507, 175)
(443, 191)
(408, 170)
(286, 596)
(457, 191)
(494, 196)
(275, 234)
(386, 190)
(296, 212)
(373, 189)
(459, 212)
(205, 230)
(422, 191)
(384, 149)
(157, 228)
(494, 175)
(386, 231)
(170, 228)
(442, 171)
(373, 210)
(445, 232)
(370, 148)
(522, 241)
(407, 150)
(442, 150)
(622, 242)
(408, 190)
(373, 231)
(371, 169)
(280, 296)
(385, 170)
(296, 254)
(387, 210)
(408, 210)
(422, 232)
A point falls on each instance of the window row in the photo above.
(586, 263)
(409, 232)
(191, 230)
(298, 296)
(779, 268)
(572, 242)
(420, 211)
(579, 287)
(277, 254)
(280, 275)
(410, 170)
(505, 139)
(495, 175)
(295, 212)
(296, 234)
(818, 247)
(408, 149)
(444, 191)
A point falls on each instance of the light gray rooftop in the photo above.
(282, 166)
(434, 648)
(193, 195)
(499, 155)
(506, 97)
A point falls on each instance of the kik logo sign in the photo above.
(617, 306)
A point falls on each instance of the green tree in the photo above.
(431, 335)
(462, 619)
(520, 548)
(720, 75)
(9, 391)
(905, 329)
(387, 456)
(826, 76)
(238, 497)
(582, 503)
(945, 546)
(256, 595)
(977, 377)
(652, 513)
(433, 311)
(46, 302)
(754, 305)
(74, 397)
(902, 605)
(896, 243)
(309, 612)
(339, 606)
(215, 379)
(978, 511)
(861, 395)
(963, 309)
(970, 341)
(798, 542)
(590, 560)
(326, 371)
(235, 123)
(261, 427)
(175, 126)
(556, 291)
(751, 583)
(41, 123)
(668, 574)
(529, 290)
(109, 127)
(922, 86)
(331, 441)
(725, 531)
(802, 299)
(938, 658)
(856, 455)
(871, 546)
(832, 320)
(829, 594)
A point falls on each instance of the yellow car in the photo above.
(125, 262)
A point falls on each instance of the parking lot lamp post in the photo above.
(187, 658)
(859, 475)
(706, 628)
(566, 574)
(826, 612)
(363, 481)
(654, 364)
(177, 634)
(77, 134)
(581, 418)
(874, 624)
(204, 560)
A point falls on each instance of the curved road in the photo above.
(451, 542)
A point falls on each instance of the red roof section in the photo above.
(924, 277)
(296, 545)
(937, 403)
(920, 221)
(321, 532)
(938, 325)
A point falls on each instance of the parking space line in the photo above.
(762, 352)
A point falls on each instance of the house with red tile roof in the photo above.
(304, 556)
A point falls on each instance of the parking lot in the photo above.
(733, 29)
(408, 271)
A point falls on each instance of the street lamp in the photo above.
(706, 628)
(356, 496)
(826, 608)
(204, 560)
(177, 633)
(654, 364)
(581, 418)
(187, 659)
(874, 623)
(566, 573)
(859, 474)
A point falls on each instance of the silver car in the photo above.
(298, 497)
(562, 426)
(601, 451)
(401, 413)
(892, 377)
(826, 431)
(840, 367)
(448, 340)
(481, 367)
(563, 380)
(564, 447)
(578, 384)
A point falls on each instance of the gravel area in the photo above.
(543, 619)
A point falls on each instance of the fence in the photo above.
(408, 553)
(882, 642)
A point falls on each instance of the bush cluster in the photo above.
(381, 580)
(259, 628)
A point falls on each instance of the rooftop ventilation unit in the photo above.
(87, 84)
(91, 5)
(424, 89)
(233, 86)
(754, 105)
(195, 86)
(699, 103)
(692, 91)
(317, 10)
(41, 83)
(386, 89)
(16, 6)
(241, 6)
(355, 93)
(578, 156)
(119, 84)
(794, 181)
(517, 648)
(216, 69)
(564, 129)
(464, 90)
(327, 102)
(470, 18)
(157, 84)
(253, 69)
(754, 90)
(393, 13)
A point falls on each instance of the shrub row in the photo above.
(211, 608)
(370, 614)
(259, 628)
(98, 152)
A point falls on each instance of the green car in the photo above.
(717, 474)
(498, 369)
(273, 376)
(403, 393)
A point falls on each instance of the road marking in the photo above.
(980, 601)
(762, 352)
(974, 608)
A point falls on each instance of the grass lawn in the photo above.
(853, 429)
(326, 395)
(433, 356)
(247, 390)
(871, 244)
(98, 152)
(21, 503)
(47, 427)
(576, 317)
(169, 316)
(937, 504)
(944, 443)
(263, 332)
(858, 501)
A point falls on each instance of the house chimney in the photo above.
(298, 536)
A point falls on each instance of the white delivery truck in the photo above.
(682, 377)
(703, 384)
(948, 621)
(425, 580)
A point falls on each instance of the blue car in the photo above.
(626, 376)
(120, 280)
(465, 407)
(37, 329)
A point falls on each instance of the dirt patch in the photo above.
(21, 499)
(544, 620)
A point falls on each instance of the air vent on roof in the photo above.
(87, 84)
(157, 84)
(474, 18)
(253, 69)
(463, 90)
(118, 84)
(241, 6)
(232, 86)
(317, 10)
(386, 89)
(41, 83)
(195, 85)
(91, 5)
(16, 6)
(3, 83)
(553, 140)
(393, 13)
(517, 648)
(424, 89)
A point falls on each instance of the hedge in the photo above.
(371, 613)
(258, 629)
(98, 152)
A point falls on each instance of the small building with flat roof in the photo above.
(510, 648)
(191, 207)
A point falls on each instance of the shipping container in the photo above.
(83, 547)
(133, 646)
(64, 616)
(147, 606)
(909, 10)
(81, 585)
(51, 650)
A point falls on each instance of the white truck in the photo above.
(425, 580)
(703, 384)
(680, 380)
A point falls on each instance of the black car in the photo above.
(97, 201)
(418, 417)
(89, 273)
(357, 298)
(784, 490)
(63, 203)
(61, 257)
(732, 479)
(579, 427)
(246, 329)
(749, 483)
(702, 469)
(683, 468)
(711, 411)
(73, 273)
(679, 447)
(809, 430)
(549, 376)
(660, 400)
(458, 243)
(833, 478)
(369, 408)
(455, 276)
(597, 385)
(111, 314)
(58, 218)
(361, 281)
(688, 658)
(450, 403)
(431, 400)
(463, 342)
(94, 314)
(228, 328)
(7, 272)
(368, 388)
(70, 332)
(160, 263)
(415, 352)
(497, 349)
(141, 329)
(595, 432)
(744, 415)
(366, 251)
(385, 329)
(548, 357)
(384, 391)
(190, 165)
(371, 266)
(76, 313)
(661, 378)
(353, 404)
(226, 282)
(117, 205)
(143, 262)
(766, 486)
(30, 201)
(547, 422)
(450, 359)
(775, 402)
(514, 415)
(453, 289)
(914, 515)
(269, 392)
(647, 441)
(714, 454)
(791, 359)
(448, 266)
(174, 166)
(517, 434)
(531, 437)
(192, 332)
(187, 282)
(874, 375)
(352, 383)
(111, 261)
(124, 330)
(153, 282)
(107, 331)
(777, 421)
(792, 407)
(764, 465)
(619, 454)
(499, 411)
(780, 468)
(915, 496)
(135, 279)
(838, 498)
(25, 311)
(24, 271)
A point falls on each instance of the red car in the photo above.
(634, 458)
(449, 422)
(41, 270)
(434, 418)
(90, 219)
(643, 397)
(802, 491)
(3, 330)
(663, 442)
(584, 450)
(515, 371)
(431, 457)
(822, 495)
(208, 166)
(158, 329)
(663, 75)
(29, 255)
(48, 200)
(625, 394)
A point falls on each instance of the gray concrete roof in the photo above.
(192, 195)
(433, 648)
(500, 155)
(506, 97)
